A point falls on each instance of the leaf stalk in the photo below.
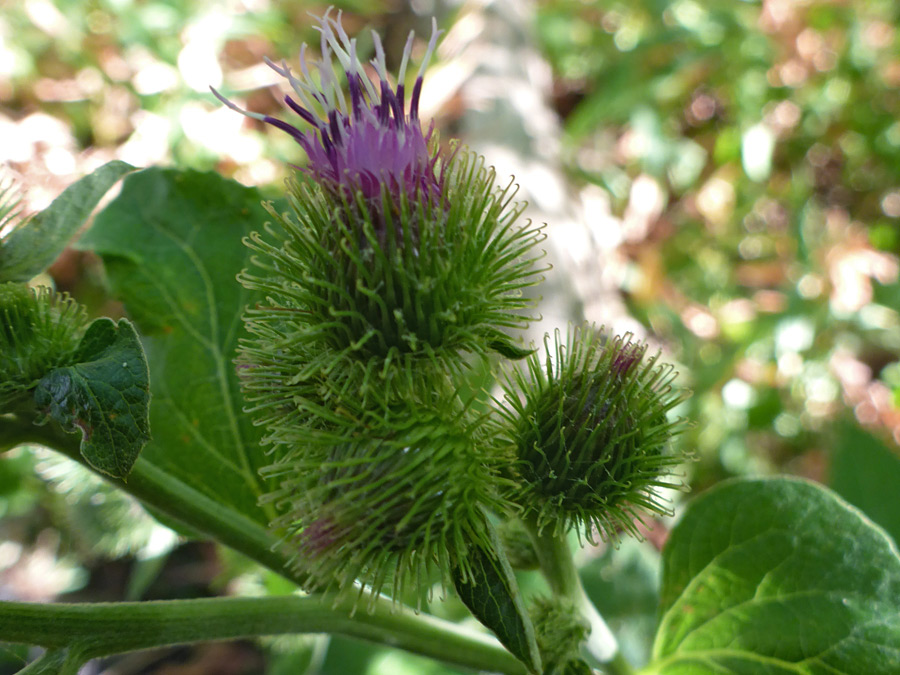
(558, 566)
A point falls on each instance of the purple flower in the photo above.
(626, 355)
(370, 140)
(319, 537)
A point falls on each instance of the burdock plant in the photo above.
(399, 262)
(385, 293)
(589, 421)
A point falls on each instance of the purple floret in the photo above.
(364, 154)
(371, 142)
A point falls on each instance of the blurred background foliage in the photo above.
(747, 156)
(757, 146)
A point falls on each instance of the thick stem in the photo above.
(558, 566)
(166, 494)
(102, 629)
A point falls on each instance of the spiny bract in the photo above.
(39, 331)
(392, 504)
(590, 430)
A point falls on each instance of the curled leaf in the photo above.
(104, 394)
(488, 588)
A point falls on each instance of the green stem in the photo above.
(389, 623)
(52, 662)
(558, 566)
(102, 629)
(619, 665)
(168, 495)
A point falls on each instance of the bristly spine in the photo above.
(589, 424)
(39, 331)
(395, 262)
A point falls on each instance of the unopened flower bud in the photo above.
(388, 507)
(39, 331)
(589, 423)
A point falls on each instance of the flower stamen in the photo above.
(370, 140)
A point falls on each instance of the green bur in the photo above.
(373, 310)
(590, 430)
(39, 331)
(369, 292)
(395, 506)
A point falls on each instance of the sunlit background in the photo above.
(722, 179)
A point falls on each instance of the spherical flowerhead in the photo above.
(589, 423)
(39, 331)
(395, 254)
(368, 139)
(396, 501)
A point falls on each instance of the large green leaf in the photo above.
(866, 472)
(104, 394)
(32, 247)
(171, 245)
(778, 576)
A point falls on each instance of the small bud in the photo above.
(39, 331)
(590, 431)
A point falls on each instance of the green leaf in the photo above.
(492, 595)
(866, 472)
(505, 346)
(778, 576)
(104, 394)
(33, 246)
(171, 245)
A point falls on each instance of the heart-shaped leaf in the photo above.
(778, 576)
(171, 243)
